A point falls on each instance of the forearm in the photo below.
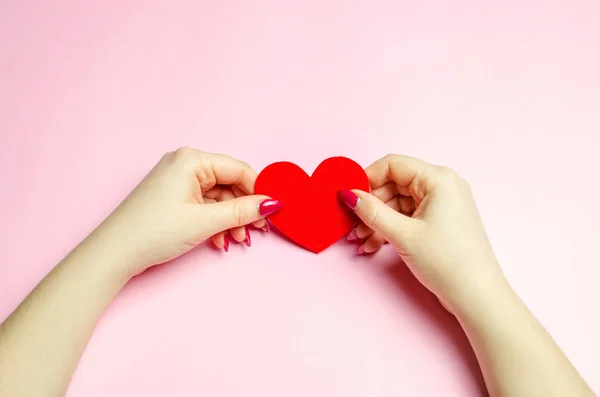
(517, 356)
(42, 341)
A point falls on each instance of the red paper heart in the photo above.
(311, 215)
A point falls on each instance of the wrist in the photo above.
(123, 246)
(479, 293)
(100, 253)
(486, 305)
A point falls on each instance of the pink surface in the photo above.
(507, 93)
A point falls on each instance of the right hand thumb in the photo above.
(386, 221)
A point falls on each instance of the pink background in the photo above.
(507, 92)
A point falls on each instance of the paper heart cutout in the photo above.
(312, 215)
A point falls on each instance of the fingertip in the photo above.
(373, 244)
(248, 240)
(352, 235)
(219, 240)
(268, 206)
(238, 233)
(360, 193)
(226, 243)
(349, 198)
(363, 231)
(259, 224)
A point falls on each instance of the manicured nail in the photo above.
(360, 250)
(248, 241)
(352, 235)
(267, 207)
(226, 244)
(348, 198)
(266, 228)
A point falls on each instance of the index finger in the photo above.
(405, 171)
(220, 169)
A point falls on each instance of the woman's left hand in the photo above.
(188, 197)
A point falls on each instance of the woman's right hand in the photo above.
(428, 214)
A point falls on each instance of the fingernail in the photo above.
(352, 235)
(226, 245)
(267, 207)
(360, 250)
(348, 198)
(248, 241)
(266, 228)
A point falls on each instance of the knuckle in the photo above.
(167, 156)
(447, 176)
(373, 217)
(207, 179)
(390, 157)
(447, 172)
(188, 158)
(245, 164)
(240, 214)
(465, 184)
(184, 153)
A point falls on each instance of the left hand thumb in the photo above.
(240, 211)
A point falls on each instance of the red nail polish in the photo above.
(352, 235)
(226, 244)
(360, 250)
(348, 198)
(267, 207)
(248, 241)
(266, 228)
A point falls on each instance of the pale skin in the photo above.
(426, 212)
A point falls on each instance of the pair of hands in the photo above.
(425, 211)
